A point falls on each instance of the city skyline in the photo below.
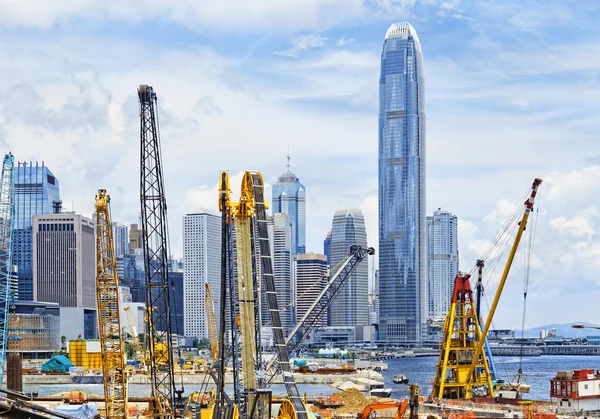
(507, 101)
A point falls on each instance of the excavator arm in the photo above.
(401, 406)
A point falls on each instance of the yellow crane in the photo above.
(139, 351)
(107, 296)
(211, 319)
(462, 366)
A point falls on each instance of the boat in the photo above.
(379, 390)
(576, 390)
(400, 379)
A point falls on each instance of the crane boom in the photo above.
(211, 319)
(156, 258)
(528, 208)
(7, 211)
(325, 298)
(107, 297)
(139, 351)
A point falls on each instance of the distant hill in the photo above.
(563, 329)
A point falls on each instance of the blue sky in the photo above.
(512, 93)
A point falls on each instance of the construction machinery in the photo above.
(109, 325)
(212, 324)
(401, 406)
(252, 250)
(462, 369)
(164, 393)
(139, 351)
(7, 211)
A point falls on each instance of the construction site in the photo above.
(465, 385)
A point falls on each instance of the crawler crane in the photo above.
(7, 211)
(165, 396)
(462, 368)
(107, 297)
(139, 351)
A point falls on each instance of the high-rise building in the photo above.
(351, 305)
(201, 264)
(120, 238)
(327, 247)
(36, 188)
(280, 238)
(311, 278)
(135, 237)
(442, 261)
(176, 308)
(64, 260)
(289, 198)
(402, 254)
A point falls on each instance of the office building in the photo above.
(120, 238)
(351, 306)
(280, 238)
(64, 260)
(35, 188)
(135, 237)
(327, 247)
(201, 265)
(402, 237)
(442, 261)
(311, 278)
(289, 197)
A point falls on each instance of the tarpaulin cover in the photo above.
(57, 363)
(80, 411)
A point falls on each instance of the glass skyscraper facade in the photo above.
(442, 261)
(36, 188)
(402, 257)
(289, 198)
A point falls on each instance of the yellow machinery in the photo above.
(107, 295)
(139, 351)
(462, 368)
(213, 334)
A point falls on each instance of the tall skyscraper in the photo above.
(36, 188)
(311, 272)
(402, 257)
(289, 198)
(120, 238)
(280, 232)
(135, 237)
(327, 247)
(351, 306)
(442, 261)
(201, 264)
(64, 260)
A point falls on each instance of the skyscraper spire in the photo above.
(288, 159)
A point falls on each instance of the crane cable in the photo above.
(527, 271)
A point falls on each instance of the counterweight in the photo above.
(156, 261)
(107, 297)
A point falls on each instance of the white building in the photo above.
(120, 238)
(202, 264)
(311, 278)
(442, 261)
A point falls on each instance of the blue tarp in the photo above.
(79, 411)
(57, 363)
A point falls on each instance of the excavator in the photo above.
(401, 406)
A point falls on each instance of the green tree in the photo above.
(203, 343)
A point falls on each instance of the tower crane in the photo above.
(139, 351)
(107, 297)
(156, 261)
(463, 365)
(7, 211)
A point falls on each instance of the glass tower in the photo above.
(402, 257)
(36, 188)
(289, 198)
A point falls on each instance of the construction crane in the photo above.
(139, 351)
(7, 212)
(109, 326)
(211, 319)
(333, 287)
(165, 396)
(462, 369)
(251, 229)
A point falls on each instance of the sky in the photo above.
(511, 87)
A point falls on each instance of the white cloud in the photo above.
(302, 43)
(344, 41)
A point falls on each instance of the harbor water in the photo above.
(537, 370)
